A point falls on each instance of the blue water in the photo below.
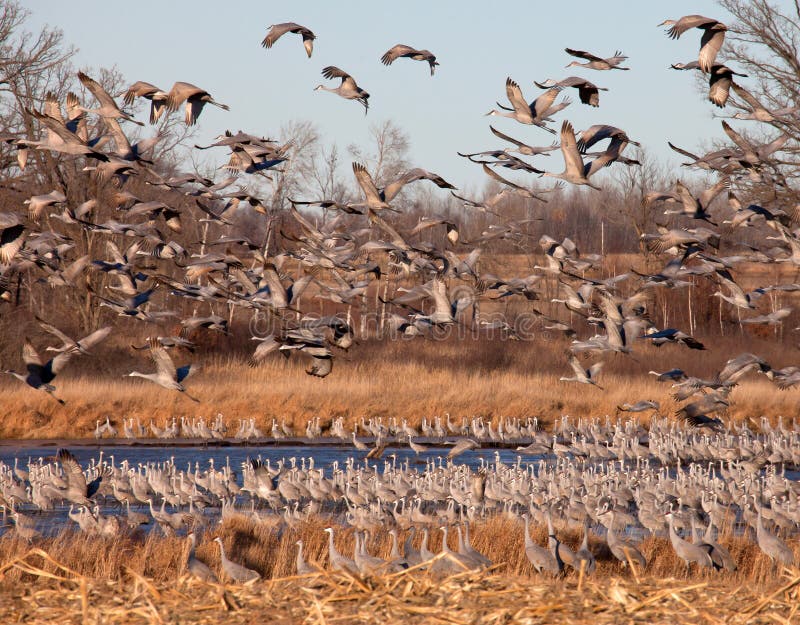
(323, 456)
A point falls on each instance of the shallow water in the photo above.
(200, 456)
(324, 456)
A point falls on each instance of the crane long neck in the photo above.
(445, 547)
(528, 539)
(331, 546)
(222, 555)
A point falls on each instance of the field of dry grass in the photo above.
(464, 375)
(133, 580)
(403, 378)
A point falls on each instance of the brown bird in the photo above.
(348, 89)
(157, 97)
(588, 92)
(595, 62)
(719, 83)
(195, 98)
(401, 50)
(276, 31)
(710, 42)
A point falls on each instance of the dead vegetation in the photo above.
(138, 579)
(403, 379)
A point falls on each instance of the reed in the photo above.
(138, 578)
(269, 547)
(402, 379)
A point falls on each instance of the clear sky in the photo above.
(216, 45)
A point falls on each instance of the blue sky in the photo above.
(216, 45)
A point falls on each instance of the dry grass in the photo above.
(270, 549)
(403, 379)
(133, 580)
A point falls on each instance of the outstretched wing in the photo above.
(569, 148)
(514, 94)
(395, 52)
(331, 71)
(367, 184)
(72, 471)
(581, 54)
(163, 362)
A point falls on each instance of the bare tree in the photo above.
(633, 184)
(764, 41)
(388, 156)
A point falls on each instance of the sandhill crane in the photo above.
(401, 50)
(367, 564)
(235, 571)
(583, 557)
(166, 374)
(195, 99)
(671, 335)
(710, 42)
(12, 237)
(680, 238)
(622, 550)
(348, 89)
(596, 62)
(639, 406)
(522, 148)
(60, 138)
(518, 189)
(686, 551)
(449, 562)
(562, 553)
(469, 550)
(372, 197)
(77, 490)
(719, 554)
(574, 170)
(736, 296)
(108, 108)
(303, 567)
(416, 447)
(599, 132)
(312, 345)
(588, 92)
(696, 413)
(37, 203)
(71, 345)
(337, 560)
(392, 188)
(584, 376)
(772, 545)
(757, 110)
(462, 445)
(198, 568)
(451, 229)
(541, 559)
(276, 31)
(534, 113)
(691, 206)
(753, 154)
(719, 83)
(41, 374)
(771, 319)
(157, 97)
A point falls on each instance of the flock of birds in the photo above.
(629, 486)
(344, 262)
(610, 478)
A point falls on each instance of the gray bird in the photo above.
(276, 31)
(236, 572)
(404, 51)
